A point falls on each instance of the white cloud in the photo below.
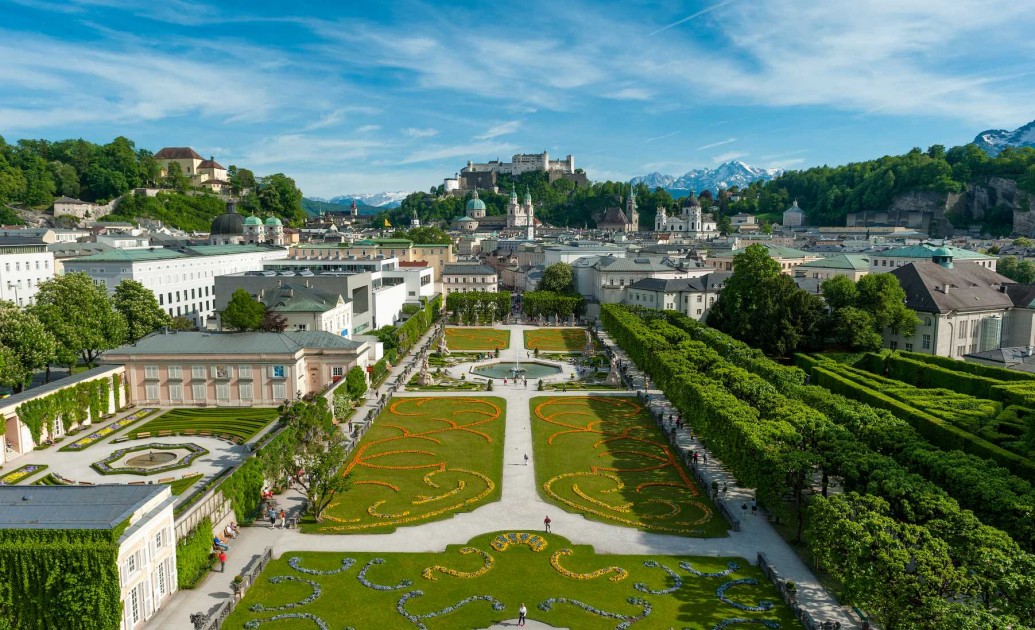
(368, 128)
(786, 163)
(716, 144)
(476, 150)
(501, 129)
(729, 155)
(420, 133)
(698, 14)
(630, 94)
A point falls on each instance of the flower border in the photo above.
(20, 474)
(105, 468)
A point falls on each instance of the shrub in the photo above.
(194, 555)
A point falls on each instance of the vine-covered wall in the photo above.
(66, 579)
(194, 555)
(70, 406)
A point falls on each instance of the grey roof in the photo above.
(234, 343)
(20, 240)
(54, 385)
(468, 269)
(72, 507)
(292, 297)
(709, 282)
(1023, 295)
(1007, 356)
(611, 263)
(972, 287)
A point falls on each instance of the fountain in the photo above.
(529, 370)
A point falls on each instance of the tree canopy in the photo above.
(140, 308)
(242, 312)
(81, 317)
(558, 278)
(26, 346)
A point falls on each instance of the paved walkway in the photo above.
(521, 508)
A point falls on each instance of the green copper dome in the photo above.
(273, 222)
(474, 203)
(253, 220)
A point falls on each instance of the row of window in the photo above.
(201, 372)
(202, 292)
(199, 391)
(476, 280)
(18, 265)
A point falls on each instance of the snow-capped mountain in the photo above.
(725, 175)
(995, 140)
(378, 200)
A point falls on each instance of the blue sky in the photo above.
(373, 96)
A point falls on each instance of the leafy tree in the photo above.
(1022, 271)
(242, 312)
(839, 292)
(65, 179)
(140, 308)
(356, 382)
(181, 323)
(425, 235)
(273, 321)
(81, 317)
(558, 278)
(279, 195)
(854, 328)
(175, 178)
(765, 308)
(880, 295)
(241, 179)
(314, 445)
(724, 224)
(27, 346)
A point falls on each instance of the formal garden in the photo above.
(470, 339)
(556, 339)
(237, 423)
(485, 581)
(605, 458)
(423, 459)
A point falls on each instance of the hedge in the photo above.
(193, 556)
(66, 579)
(243, 488)
(970, 368)
(70, 406)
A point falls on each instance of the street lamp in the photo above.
(11, 286)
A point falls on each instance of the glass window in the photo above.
(244, 371)
(279, 391)
(894, 345)
(175, 391)
(337, 370)
(197, 371)
(151, 391)
(151, 371)
(175, 371)
(925, 342)
(244, 390)
(222, 391)
(198, 392)
(278, 371)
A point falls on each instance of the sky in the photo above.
(354, 97)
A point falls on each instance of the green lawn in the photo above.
(238, 422)
(469, 338)
(182, 485)
(556, 339)
(423, 459)
(374, 590)
(602, 456)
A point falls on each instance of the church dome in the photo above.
(228, 224)
(474, 203)
(942, 252)
(274, 222)
(794, 208)
(691, 201)
(252, 220)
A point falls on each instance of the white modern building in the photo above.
(24, 264)
(468, 277)
(146, 557)
(183, 280)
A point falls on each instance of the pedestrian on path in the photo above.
(526, 459)
(546, 523)
(272, 514)
(283, 518)
(522, 613)
(222, 561)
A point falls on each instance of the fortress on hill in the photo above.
(483, 176)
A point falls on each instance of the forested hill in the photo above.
(828, 194)
(34, 172)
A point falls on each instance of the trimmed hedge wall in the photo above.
(193, 556)
(66, 579)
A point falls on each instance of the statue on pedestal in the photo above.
(442, 349)
(613, 377)
(424, 378)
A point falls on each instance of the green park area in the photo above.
(240, 423)
(605, 458)
(556, 339)
(423, 459)
(484, 582)
(464, 338)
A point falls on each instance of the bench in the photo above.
(205, 433)
(143, 434)
(164, 433)
(190, 432)
(167, 480)
(137, 483)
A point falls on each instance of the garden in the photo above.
(96, 436)
(556, 339)
(423, 459)
(238, 423)
(484, 582)
(605, 458)
(472, 339)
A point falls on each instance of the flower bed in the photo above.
(20, 474)
(105, 431)
(105, 468)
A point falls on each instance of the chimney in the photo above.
(945, 289)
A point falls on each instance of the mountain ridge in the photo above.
(993, 141)
(725, 175)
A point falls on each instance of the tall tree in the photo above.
(242, 312)
(140, 308)
(28, 346)
(883, 298)
(839, 292)
(81, 317)
(559, 278)
(356, 382)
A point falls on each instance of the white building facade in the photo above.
(24, 264)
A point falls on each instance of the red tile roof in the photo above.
(178, 153)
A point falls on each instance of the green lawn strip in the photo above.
(556, 339)
(183, 484)
(242, 423)
(517, 575)
(658, 500)
(465, 338)
(21, 474)
(50, 479)
(393, 490)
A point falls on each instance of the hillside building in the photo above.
(192, 165)
(691, 222)
(794, 216)
(614, 219)
(24, 264)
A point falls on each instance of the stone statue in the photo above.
(424, 378)
(442, 349)
(613, 377)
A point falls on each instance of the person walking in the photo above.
(222, 561)
(526, 459)
(522, 614)
(546, 523)
(283, 518)
(272, 514)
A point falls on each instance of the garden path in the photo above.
(521, 508)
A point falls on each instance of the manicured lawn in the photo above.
(484, 584)
(423, 459)
(603, 457)
(241, 423)
(556, 339)
(182, 485)
(465, 338)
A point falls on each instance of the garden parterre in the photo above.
(605, 458)
(423, 459)
(238, 422)
(483, 582)
(465, 338)
(556, 339)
